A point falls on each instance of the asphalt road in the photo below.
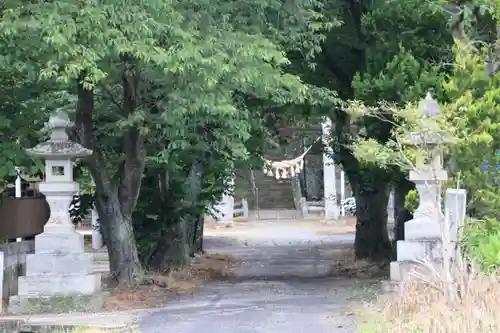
(282, 286)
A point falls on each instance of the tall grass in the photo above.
(422, 305)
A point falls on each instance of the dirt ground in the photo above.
(163, 287)
(345, 225)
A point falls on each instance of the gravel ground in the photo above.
(283, 285)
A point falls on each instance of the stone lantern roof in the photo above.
(429, 109)
(59, 146)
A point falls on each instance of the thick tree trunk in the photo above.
(120, 242)
(173, 249)
(372, 239)
(116, 196)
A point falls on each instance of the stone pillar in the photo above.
(390, 208)
(59, 272)
(455, 214)
(225, 207)
(97, 241)
(329, 174)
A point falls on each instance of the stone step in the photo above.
(51, 284)
(417, 250)
(272, 193)
(274, 214)
(50, 263)
(316, 204)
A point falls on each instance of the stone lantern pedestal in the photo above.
(59, 275)
(423, 234)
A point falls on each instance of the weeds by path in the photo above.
(422, 308)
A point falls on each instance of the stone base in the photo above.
(415, 250)
(422, 229)
(55, 264)
(63, 243)
(410, 270)
(56, 304)
(52, 284)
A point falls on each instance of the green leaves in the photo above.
(474, 112)
(482, 243)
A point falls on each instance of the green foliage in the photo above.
(174, 84)
(389, 113)
(412, 201)
(482, 243)
(475, 115)
(418, 27)
(403, 79)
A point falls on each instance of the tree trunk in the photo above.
(177, 243)
(120, 242)
(372, 240)
(116, 196)
(198, 236)
(173, 249)
(401, 214)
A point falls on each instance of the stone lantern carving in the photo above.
(423, 233)
(59, 267)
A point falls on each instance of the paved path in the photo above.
(282, 285)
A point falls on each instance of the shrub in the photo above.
(482, 244)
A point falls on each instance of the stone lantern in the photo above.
(423, 233)
(59, 267)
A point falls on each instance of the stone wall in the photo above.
(13, 264)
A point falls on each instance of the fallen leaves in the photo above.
(162, 287)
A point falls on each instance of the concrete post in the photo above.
(97, 242)
(455, 213)
(329, 175)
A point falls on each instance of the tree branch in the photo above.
(111, 97)
(85, 136)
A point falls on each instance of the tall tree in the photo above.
(144, 78)
(362, 59)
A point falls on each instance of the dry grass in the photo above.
(162, 287)
(421, 307)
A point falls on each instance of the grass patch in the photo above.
(161, 287)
